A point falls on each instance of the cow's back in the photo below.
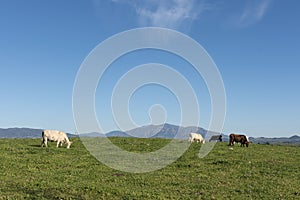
(54, 134)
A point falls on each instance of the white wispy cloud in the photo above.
(253, 12)
(168, 13)
(180, 14)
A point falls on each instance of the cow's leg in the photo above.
(42, 144)
(58, 141)
(68, 144)
(45, 141)
(61, 142)
(242, 142)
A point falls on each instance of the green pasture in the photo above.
(28, 171)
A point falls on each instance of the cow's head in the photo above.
(247, 143)
(69, 144)
(220, 138)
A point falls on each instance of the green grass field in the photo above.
(28, 171)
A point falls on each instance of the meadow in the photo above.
(28, 171)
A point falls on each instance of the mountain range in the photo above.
(149, 131)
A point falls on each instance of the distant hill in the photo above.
(262, 140)
(20, 133)
(149, 131)
(117, 134)
(165, 131)
(24, 133)
(92, 134)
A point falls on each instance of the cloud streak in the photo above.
(253, 13)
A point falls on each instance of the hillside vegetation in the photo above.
(258, 172)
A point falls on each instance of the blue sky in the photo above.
(255, 45)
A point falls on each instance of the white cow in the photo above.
(196, 136)
(56, 136)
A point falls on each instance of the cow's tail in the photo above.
(43, 140)
(230, 140)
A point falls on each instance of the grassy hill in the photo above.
(258, 172)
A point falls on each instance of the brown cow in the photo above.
(243, 139)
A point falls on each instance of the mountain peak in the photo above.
(295, 137)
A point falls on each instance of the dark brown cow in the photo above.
(243, 139)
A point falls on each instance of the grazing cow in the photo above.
(56, 136)
(196, 136)
(243, 139)
(216, 138)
